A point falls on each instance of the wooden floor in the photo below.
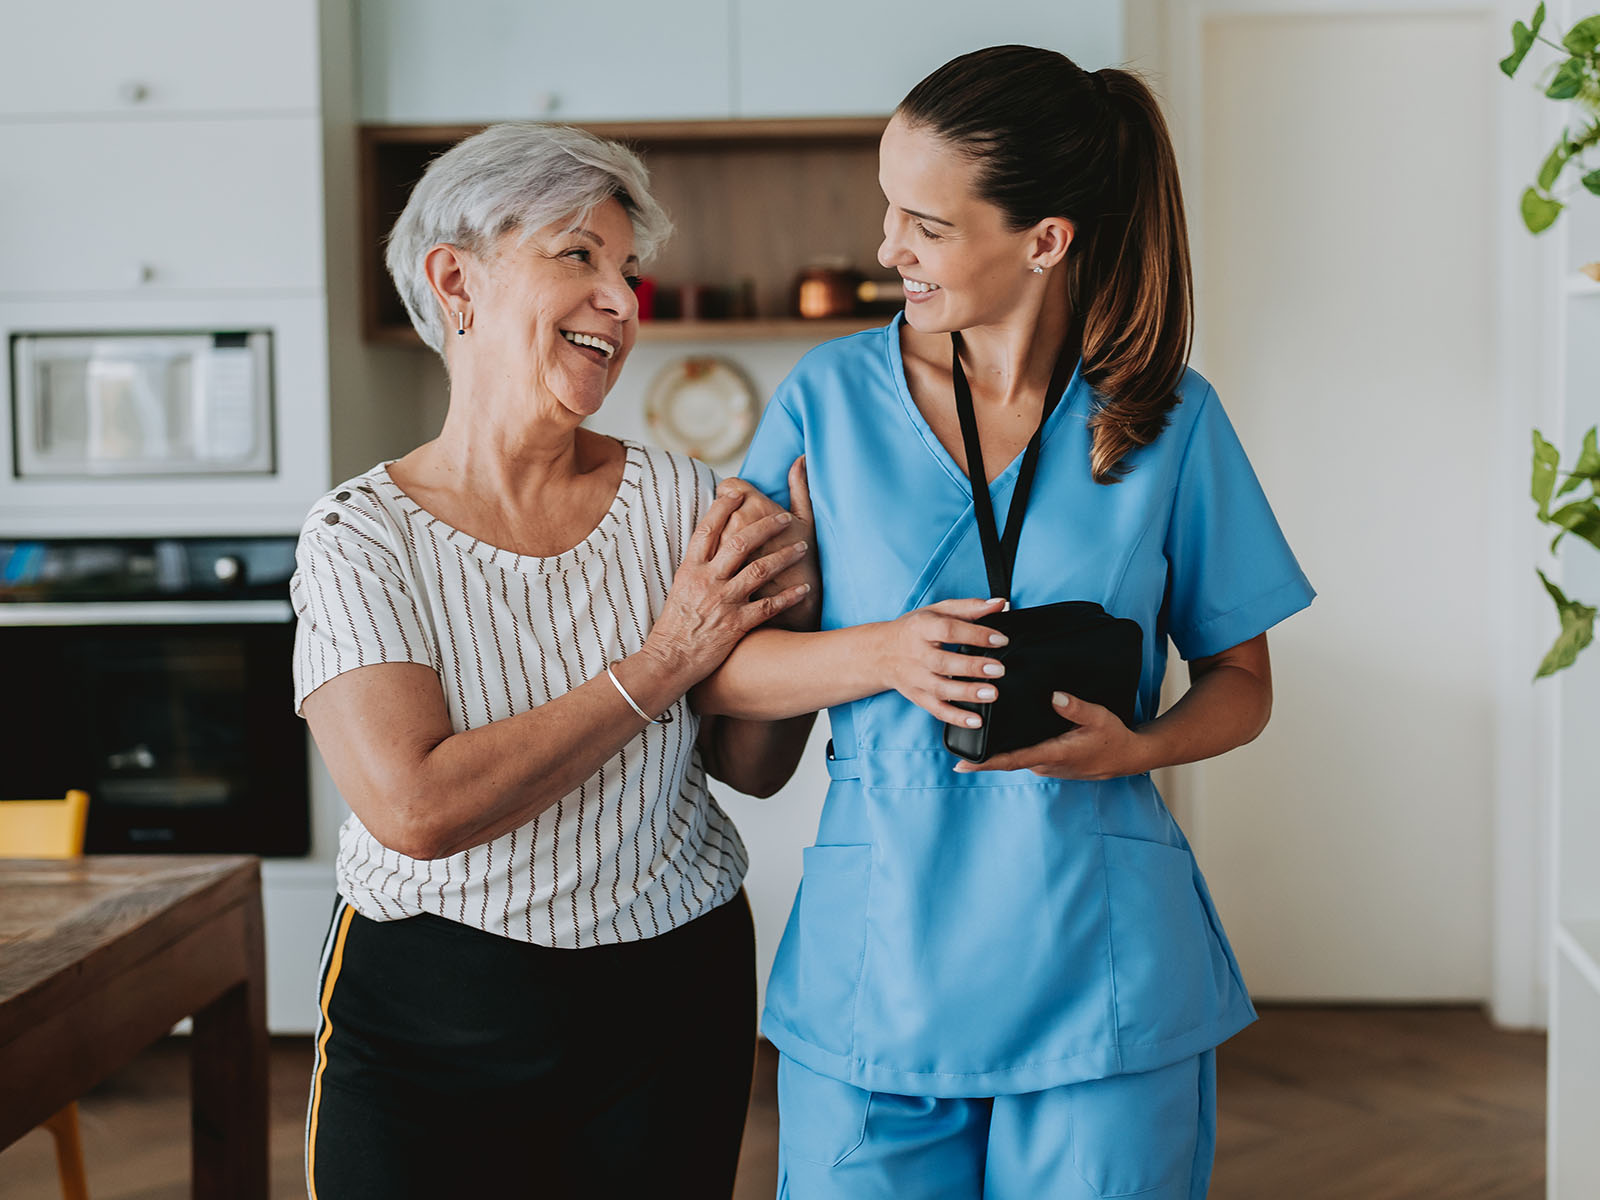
(1317, 1104)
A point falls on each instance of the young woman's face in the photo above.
(962, 267)
(557, 310)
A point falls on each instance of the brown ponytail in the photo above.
(1052, 139)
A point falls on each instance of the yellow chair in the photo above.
(52, 829)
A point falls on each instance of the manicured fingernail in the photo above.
(1060, 699)
(804, 588)
(998, 639)
(784, 518)
(974, 722)
(800, 546)
(987, 693)
(993, 670)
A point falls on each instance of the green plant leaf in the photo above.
(1577, 631)
(1592, 182)
(1568, 81)
(1583, 37)
(1545, 460)
(1581, 517)
(1553, 163)
(1538, 17)
(1587, 468)
(1539, 212)
(1521, 43)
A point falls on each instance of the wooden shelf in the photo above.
(759, 329)
(753, 203)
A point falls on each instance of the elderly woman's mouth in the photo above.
(591, 341)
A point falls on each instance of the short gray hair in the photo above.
(516, 176)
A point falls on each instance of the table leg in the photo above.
(228, 1081)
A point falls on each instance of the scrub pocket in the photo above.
(831, 921)
(1169, 969)
(820, 1120)
(1135, 1135)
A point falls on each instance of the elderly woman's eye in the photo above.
(581, 253)
(633, 281)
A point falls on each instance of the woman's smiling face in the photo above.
(961, 265)
(556, 311)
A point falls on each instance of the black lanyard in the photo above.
(1000, 554)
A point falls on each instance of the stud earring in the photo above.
(1038, 270)
(461, 321)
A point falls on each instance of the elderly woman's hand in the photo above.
(805, 616)
(713, 601)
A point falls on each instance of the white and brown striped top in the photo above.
(640, 848)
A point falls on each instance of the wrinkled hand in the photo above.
(805, 616)
(712, 603)
(1100, 747)
(916, 664)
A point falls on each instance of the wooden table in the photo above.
(101, 956)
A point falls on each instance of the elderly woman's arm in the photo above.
(429, 792)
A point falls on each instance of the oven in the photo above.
(154, 673)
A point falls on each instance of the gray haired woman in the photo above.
(540, 966)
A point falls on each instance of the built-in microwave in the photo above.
(92, 405)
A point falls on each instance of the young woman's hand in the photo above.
(805, 616)
(1100, 747)
(713, 603)
(914, 662)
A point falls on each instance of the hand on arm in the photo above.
(429, 792)
(775, 673)
(806, 615)
(758, 757)
(1227, 704)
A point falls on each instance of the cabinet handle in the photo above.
(135, 92)
(144, 273)
(546, 103)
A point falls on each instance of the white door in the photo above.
(1340, 178)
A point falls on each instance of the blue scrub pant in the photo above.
(1150, 1135)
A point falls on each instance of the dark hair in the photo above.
(1053, 140)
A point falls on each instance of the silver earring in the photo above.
(461, 321)
(1038, 270)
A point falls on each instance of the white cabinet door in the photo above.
(492, 60)
(160, 206)
(158, 56)
(845, 58)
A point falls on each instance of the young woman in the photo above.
(1006, 978)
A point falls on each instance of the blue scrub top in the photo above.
(991, 933)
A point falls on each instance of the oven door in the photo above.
(176, 718)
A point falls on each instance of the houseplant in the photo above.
(1573, 79)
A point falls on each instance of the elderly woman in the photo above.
(540, 967)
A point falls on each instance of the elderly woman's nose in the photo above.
(618, 298)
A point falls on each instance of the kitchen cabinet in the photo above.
(158, 57)
(497, 60)
(842, 57)
(157, 207)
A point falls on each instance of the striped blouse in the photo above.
(639, 848)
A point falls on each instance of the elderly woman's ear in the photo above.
(446, 267)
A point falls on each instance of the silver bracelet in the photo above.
(664, 719)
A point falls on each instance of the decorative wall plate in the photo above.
(702, 406)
